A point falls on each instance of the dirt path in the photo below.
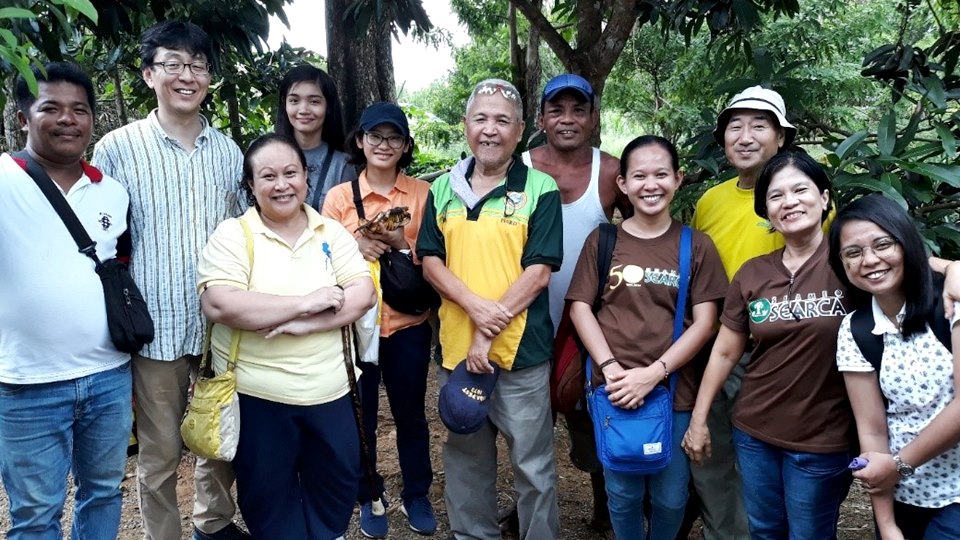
(573, 489)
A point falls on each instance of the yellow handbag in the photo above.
(211, 425)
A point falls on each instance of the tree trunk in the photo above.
(362, 66)
(228, 93)
(118, 96)
(14, 139)
(533, 74)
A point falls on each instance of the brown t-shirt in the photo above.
(792, 394)
(640, 299)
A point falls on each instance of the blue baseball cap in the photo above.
(567, 81)
(384, 112)
(465, 398)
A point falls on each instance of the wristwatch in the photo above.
(903, 469)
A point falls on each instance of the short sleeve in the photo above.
(103, 158)
(584, 281)
(545, 232)
(735, 315)
(956, 314)
(708, 279)
(334, 202)
(430, 241)
(849, 357)
(224, 259)
(348, 264)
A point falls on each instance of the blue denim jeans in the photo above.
(928, 523)
(668, 494)
(47, 430)
(791, 495)
(403, 366)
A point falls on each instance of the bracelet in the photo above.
(612, 360)
(666, 372)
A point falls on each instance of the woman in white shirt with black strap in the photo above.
(909, 423)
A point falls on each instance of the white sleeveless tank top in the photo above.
(580, 218)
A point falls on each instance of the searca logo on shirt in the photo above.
(778, 308)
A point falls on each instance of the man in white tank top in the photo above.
(587, 179)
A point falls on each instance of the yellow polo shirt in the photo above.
(296, 370)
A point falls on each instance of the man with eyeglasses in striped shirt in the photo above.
(183, 179)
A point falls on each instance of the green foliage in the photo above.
(428, 164)
(22, 34)
(403, 15)
(914, 162)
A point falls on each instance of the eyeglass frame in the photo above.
(183, 66)
(368, 134)
(888, 242)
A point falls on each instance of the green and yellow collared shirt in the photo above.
(516, 225)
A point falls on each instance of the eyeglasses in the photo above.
(880, 247)
(174, 67)
(393, 141)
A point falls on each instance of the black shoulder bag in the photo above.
(128, 320)
(401, 281)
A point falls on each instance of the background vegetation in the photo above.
(872, 84)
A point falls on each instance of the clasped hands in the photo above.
(318, 301)
(626, 388)
(490, 318)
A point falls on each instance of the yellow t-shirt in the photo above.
(296, 370)
(725, 212)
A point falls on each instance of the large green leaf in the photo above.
(935, 92)
(948, 174)
(877, 186)
(948, 140)
(849, 144)
(16, 13)
(83, 6)
(887, 133)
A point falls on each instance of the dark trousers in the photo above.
(403, 366)
(297, 468)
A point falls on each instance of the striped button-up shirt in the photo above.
(177, 198)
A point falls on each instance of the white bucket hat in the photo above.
(760, 99)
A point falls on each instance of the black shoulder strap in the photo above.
(85, 244)
(322, 178)
(870, 344)
(357, 198)
(938, 321)
(608, 240)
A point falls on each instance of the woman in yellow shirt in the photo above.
(297, 462)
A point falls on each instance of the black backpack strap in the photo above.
(937, 320)
(606, 243)
(85, 244)
(357, 198)
(870, 344)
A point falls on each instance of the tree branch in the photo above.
(614, 37)
(535, 17)
(941, 206)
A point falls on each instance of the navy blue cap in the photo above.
(384, 112)
(567, 81)
(465, 398)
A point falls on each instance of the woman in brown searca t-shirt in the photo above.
(793, 425)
